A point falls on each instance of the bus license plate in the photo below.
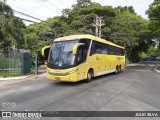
(58, 78)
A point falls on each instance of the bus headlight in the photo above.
(62, 74)
(73, 71)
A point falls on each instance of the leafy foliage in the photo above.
(78, 20)
(151, 51)
(11, 29)
(154, 15)
(142, 55)
(158, 52)
(121, 26)
(130, 31)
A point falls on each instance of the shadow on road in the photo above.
(60, 83)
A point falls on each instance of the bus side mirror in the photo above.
(75, 47)
(45, 51)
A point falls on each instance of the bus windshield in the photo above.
(61, 54)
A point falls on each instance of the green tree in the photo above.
(32, 42)
(142, 56)
(121, 9)
(154, 16)
(126, 29)
(121, 26)
(151, 51)
(154, 10)
(5, 23)
(158, 52)
(37, 36)
(84, 3)
(11, 29)
(78, 20)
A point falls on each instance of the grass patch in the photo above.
(7, 74)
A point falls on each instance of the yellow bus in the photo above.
(82, 57)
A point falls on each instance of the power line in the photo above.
(22, 18)
(45, 6)
(62, 3)
(54, 5)
(33, 21)
(27, 15)
(34, 13)
(30, 17)
(27, 20)
(27, 10)
(24, 14)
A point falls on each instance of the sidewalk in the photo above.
(16, 78)
(157, 68)
(41, 71)
(7, 81)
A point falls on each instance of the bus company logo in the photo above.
(97, 58)
(6, 114)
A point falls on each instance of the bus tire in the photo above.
(89, 76)
(117, 70)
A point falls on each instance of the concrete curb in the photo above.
(134, 64)
(16, 78)
(155, 69)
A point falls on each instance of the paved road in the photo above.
(137, 88)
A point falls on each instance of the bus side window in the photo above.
(121, 51)
(117, 51)
(110, 49)
(101, 48)
(107, 49)
(104, 48)
(114, 50)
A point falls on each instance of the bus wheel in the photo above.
(117, 70)
(89, 76)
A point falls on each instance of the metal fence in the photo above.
(14, 62)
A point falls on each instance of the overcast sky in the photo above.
(44, 9)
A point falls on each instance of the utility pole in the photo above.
(98, 26)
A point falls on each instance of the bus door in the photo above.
(82, 54)
(80, 62)
(95, 57)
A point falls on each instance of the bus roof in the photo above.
(73, 37)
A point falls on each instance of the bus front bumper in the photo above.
(67, 78)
